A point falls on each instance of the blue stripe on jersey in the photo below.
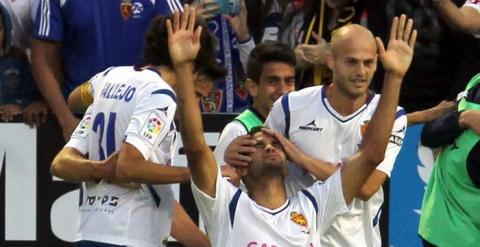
(279, 210)
(80, 196)
(166, 92)
(376, 219)
(155, 196)
(232, 207)
(286, 113)
(312, 199)
(400, 113)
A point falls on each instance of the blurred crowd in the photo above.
(49, 47)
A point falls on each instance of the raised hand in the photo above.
(398, 56)
(183, 37)
(238, 151)
(238, 23)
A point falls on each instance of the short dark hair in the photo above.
(266, 52)
(256, 129)
(156, 49)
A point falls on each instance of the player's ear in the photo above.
(252, 87)
(329, 60)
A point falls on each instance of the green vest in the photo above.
(451, 204)
(249, 119)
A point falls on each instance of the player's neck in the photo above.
(167, 74)
(342, 103)
(268, 191)
(262, 110)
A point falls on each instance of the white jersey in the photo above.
(234, 219)
(476, 5)
(231, 131)
(311, 123)
(136, 107)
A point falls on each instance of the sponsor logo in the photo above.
(298, 219)
(152, 127)
(310, 126)
(84, 126)
(397, 140)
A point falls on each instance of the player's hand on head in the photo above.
(396, 59)
(9, 111)
(183, 37)
(293, 153)
(238, 152)
(35, 114)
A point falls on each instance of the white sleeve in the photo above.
(231, 131)
(276, 118)
(394, 143)
(214, 210)
(244, 50)
(328, 200)
(79, 138)
(151, 121)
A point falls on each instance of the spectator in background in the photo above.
(308, 25)
(230, 94)
(444, 59)
(73, 40)
(450, 205)
(465, 18)
(18, 92)
(270, 74)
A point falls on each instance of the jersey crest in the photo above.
(298, 219)
(126, 9)
(363, 127)
(213, 102)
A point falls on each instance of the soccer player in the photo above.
(132, 114)
(327, 123)
(465, 18)
(265, 216)
(270, 74)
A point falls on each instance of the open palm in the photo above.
(183, 40)
(398, 56)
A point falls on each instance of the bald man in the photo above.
(327, 123)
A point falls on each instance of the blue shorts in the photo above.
(85, 243)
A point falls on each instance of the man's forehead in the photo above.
(262, 136)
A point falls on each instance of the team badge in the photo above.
(298, 219)
(363, 127)
(126, 9)
(213, 102)
(241, 91)
(84, 126)
(152, 128)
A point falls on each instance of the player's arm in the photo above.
(48, 73)
(80, 98)
(465, 19)
(185, 231)
(444, 130)
(133, 167)
(71, 165)
(184, 44)
(396, 61)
